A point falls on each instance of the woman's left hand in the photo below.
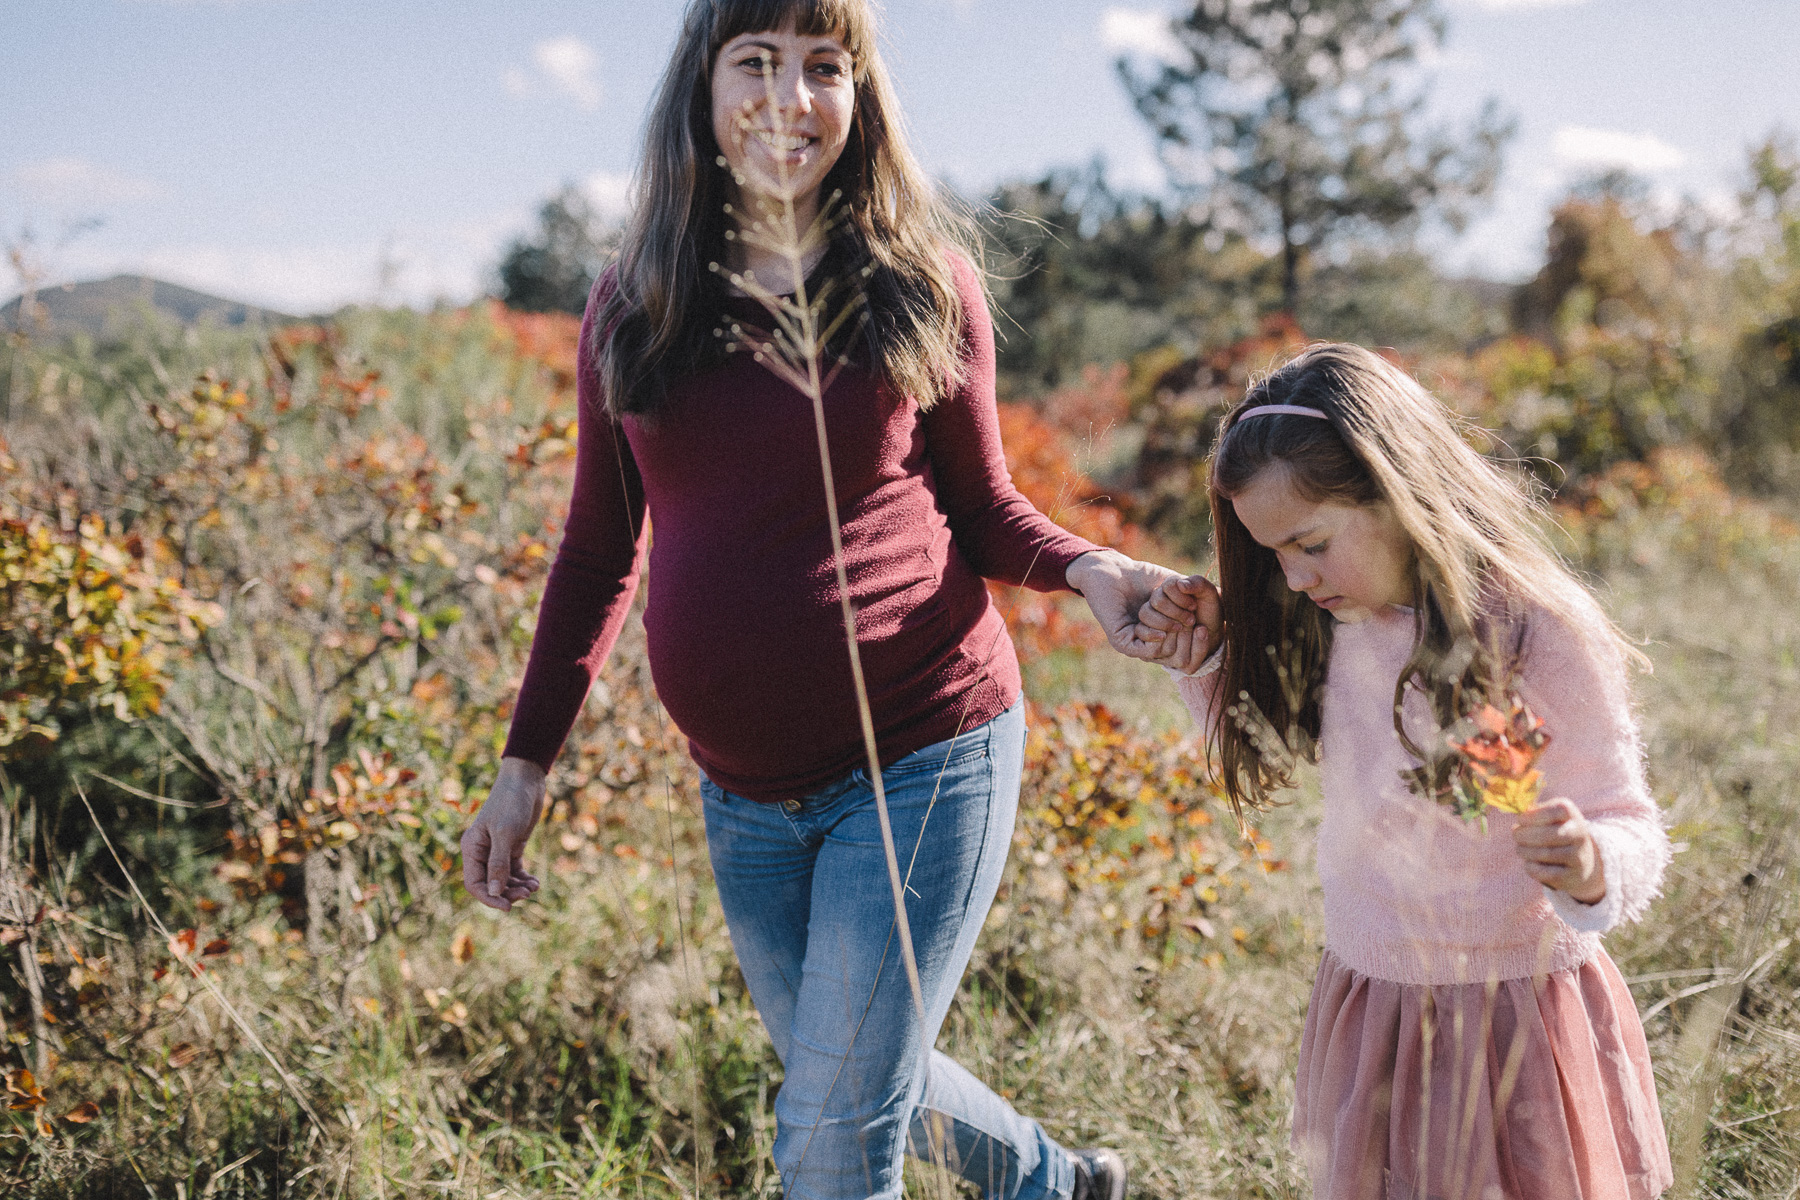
(1558, 850)
(1116, 587)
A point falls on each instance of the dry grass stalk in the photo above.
(796, 350)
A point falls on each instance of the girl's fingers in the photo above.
(1540, 835)
(1198, 649)
(1548, 876)
(1162, 612)
(1557, 856)
(1549, 813)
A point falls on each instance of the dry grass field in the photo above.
(277, 988)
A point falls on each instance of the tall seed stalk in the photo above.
(797, 350)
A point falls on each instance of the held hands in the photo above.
(493, 845)
(1117, 588)
(1558, 850)
(1183, 615)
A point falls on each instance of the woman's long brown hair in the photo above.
(659, 320)
(1478, 563)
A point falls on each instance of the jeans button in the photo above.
(790, 807)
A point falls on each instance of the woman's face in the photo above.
(782, 105)
(1349, 559)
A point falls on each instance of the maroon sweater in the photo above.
(745, 632)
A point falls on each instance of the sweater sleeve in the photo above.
(1595, 760)
(592, 582)
(1200, 691)
(996, 528)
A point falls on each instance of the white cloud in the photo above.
(74, 182)
(610, 194)
(1578, 145)
(570, 65)
(1137, 31)
(1517, 5)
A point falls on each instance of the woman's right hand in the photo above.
(493, 845)
(1184, 615)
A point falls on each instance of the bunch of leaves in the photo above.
(346, 542)
(1042, 454)
(1619, 341)
(1666, 510)
(1126, 820)
(1180, 400)
(88, 619)
(1497, 750)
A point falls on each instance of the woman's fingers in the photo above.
(494, 844)
(501, 856)
(486, 865)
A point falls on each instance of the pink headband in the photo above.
(1291, 410)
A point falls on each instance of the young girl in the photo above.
(1467, 1038)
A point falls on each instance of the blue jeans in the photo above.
(805, 890)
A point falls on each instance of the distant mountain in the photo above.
(106, 307)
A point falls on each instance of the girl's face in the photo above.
(1349, 559)
(783, 131)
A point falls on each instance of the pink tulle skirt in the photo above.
(1523, 1089)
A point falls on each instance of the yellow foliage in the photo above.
(88, 622)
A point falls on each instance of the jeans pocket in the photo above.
(941, 756)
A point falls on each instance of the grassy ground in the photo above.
(574, 1051)
(364, 1031)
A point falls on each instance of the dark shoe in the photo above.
(1099, 1175)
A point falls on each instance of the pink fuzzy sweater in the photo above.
(1415, 895)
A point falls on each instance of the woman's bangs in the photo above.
(847, 20)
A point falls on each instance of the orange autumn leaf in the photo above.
(22, 1084)
(82, 1113)
(462, 947)
(182, 944)
(1500, 756)
(216, 947)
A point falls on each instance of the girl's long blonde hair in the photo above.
(658, 320)
(1479, 563)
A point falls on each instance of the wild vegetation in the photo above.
(265, 598)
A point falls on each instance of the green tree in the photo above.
(1293, 121)
(553, 270)
(1087, 273)
(1761, 433)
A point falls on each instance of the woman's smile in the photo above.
(783, 105)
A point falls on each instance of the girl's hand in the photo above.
(493, 845)
(1115, 587)
(1558, 850)
(1184, 614)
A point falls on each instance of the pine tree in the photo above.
(1292, 121)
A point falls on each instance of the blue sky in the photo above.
(308, 153)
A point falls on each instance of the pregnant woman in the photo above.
(768, 103)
